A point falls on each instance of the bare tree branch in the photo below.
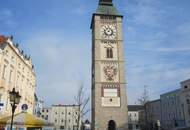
(82, 103)
(145, 97)
(84, 113)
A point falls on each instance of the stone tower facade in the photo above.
(109, 101)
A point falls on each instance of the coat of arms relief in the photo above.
(110, 72)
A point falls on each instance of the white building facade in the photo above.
(133, 117)
(171, 110)
(64, 117)
(16, 71)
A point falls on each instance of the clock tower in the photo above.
(109, 101)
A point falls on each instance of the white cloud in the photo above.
(61, 65)
(154, 47)
(5, 14)
(6, 18)
(180, 49)
(62, 62)
(159, 78)
(146, 13)
(79, 10)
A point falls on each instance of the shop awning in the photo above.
(26, 120)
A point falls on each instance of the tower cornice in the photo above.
(97, 14)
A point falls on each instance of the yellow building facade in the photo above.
(16, 71)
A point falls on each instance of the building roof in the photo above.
(152, 102)
(45, 108)
(135, 107)
(64, 105)
(107, 10)
(188, 80)
(171, 92)
(3, 39)
(8, 41)
(106, 7)
(157, 100)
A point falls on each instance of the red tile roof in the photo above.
(2, 39)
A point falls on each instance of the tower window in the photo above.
(109, 53)
(185, 87)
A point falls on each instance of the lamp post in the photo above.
(14, 99)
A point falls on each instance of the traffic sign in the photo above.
(24, 107)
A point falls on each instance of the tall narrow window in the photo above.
(0, 97)
(109, 53)
(10, 76)
(4, 72)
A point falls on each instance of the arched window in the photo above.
(109, 52)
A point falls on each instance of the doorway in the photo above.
(111, 125)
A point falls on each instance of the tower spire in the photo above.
(105, 2)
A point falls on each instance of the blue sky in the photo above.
(57, 35)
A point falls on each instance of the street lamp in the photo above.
(14, 99)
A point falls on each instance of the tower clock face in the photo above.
(108, 31)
